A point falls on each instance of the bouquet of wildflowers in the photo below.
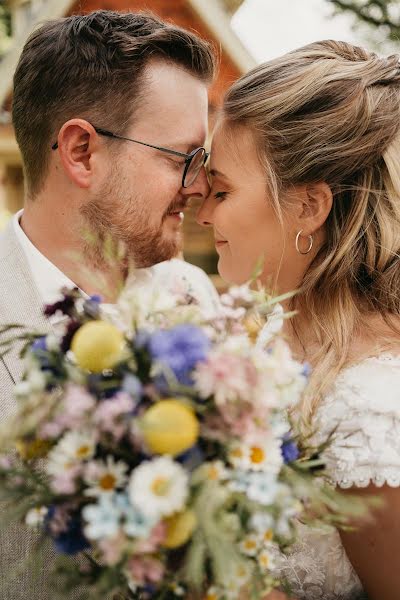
(156, 443)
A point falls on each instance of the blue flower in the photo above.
(192, 458)
(180, 349)
(141, 339)
(91, 306)
(102, 518)
(136, 524)
(290, 451)
(132, 386)
(71, 539)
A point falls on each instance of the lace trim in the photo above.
(366, 476)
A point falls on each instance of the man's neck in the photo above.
(62, 244)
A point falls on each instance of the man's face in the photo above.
(141, 198)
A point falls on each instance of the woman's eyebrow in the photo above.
(215, 172)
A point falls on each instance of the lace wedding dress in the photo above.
(364, 405)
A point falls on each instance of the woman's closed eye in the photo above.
(220, 195)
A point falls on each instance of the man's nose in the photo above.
(200, 187)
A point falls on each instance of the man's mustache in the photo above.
(176, 208)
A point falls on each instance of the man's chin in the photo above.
(169, 246)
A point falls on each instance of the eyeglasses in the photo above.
(193, 161)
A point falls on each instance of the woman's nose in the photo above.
(205, 212)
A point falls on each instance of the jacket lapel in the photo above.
(20, 301)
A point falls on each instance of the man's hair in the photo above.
(92, 67)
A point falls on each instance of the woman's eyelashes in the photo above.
(220, 195)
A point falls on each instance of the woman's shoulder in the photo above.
(361, 413)
(370, 378)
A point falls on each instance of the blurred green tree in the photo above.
(5, 26)
(383, 16)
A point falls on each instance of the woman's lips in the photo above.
(219, 243)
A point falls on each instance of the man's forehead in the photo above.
(175, 103)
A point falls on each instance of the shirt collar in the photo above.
(47, 277)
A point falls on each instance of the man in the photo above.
(110, 114)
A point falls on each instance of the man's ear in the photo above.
(77, 140)
(314, 203)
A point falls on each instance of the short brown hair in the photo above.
(91, 66)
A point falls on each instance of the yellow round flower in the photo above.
(169, 427)
(97, 345)
(179, 528)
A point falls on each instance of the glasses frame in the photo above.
(188, 157)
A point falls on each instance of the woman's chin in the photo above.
(230, 275)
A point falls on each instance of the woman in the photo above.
(306, 173)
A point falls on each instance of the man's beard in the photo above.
(115, 222)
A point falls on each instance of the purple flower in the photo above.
(290, 451)
(39, 345)
(91, 307)
(66, 305)
(180, 349)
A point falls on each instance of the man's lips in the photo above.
(176, 215)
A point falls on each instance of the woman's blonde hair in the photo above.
(330, 112)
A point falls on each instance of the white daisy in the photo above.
(265, 560)
(213, 593)
(250, 544)
(257, 457)
(216, 471)
(73, 448)
(159, 487)
(35, 516)
(238, 578)
(105, 478)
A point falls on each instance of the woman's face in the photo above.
(246, 225)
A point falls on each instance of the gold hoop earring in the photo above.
(310, 245)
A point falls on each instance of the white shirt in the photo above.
(49, 279)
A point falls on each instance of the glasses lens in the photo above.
(194, 168)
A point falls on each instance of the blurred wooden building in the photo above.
(210, 18)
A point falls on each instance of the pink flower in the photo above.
(145, 570)
(65, 482)
(76, 405)
(112, 548)
(226, 376)
(111, 414)
(50, 430)
(151, 544)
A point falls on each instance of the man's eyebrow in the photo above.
(186, 146)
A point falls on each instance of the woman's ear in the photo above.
(316, 204)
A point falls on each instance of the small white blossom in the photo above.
(35, 517)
